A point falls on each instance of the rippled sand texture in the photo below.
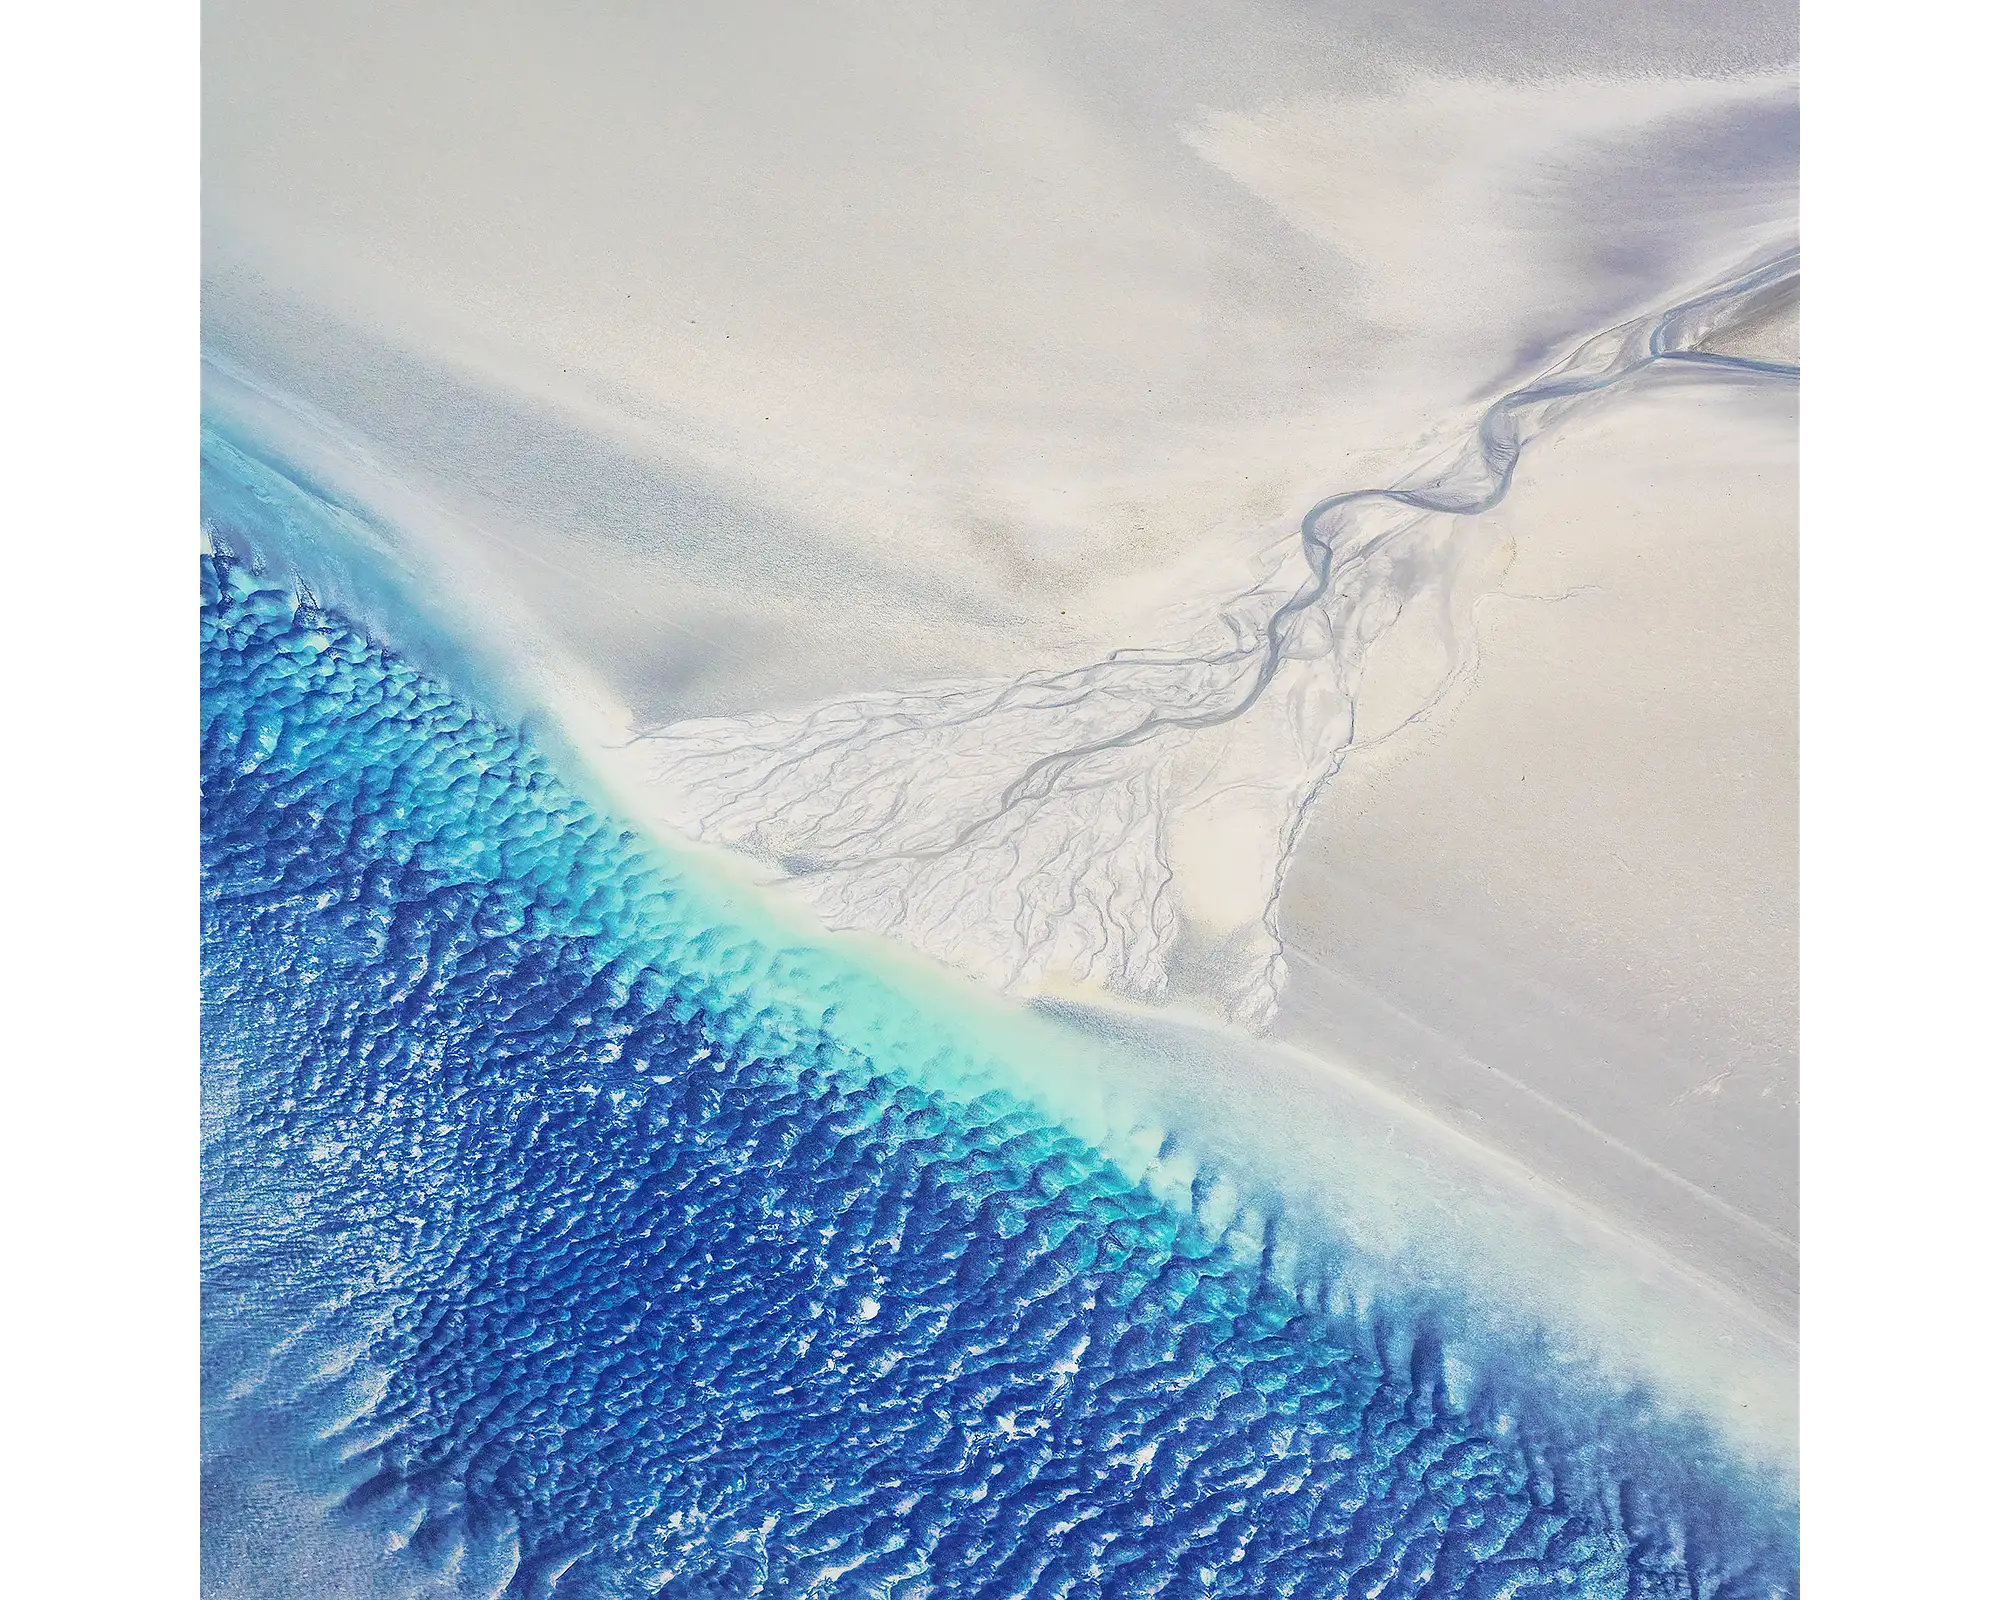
(998, 799)
(564, 1237)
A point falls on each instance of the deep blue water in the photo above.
(557, 1239)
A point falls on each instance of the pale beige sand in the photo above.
(1563, 913)
(1770, 332)
(785, 352)
(720, 360)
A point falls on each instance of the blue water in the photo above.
(558, 1239)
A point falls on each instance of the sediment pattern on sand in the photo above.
(559, 1240)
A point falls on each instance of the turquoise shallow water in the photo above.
(572, 1226)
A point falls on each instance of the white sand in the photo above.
(1563, 913)
(789, 352)
(720, 362)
